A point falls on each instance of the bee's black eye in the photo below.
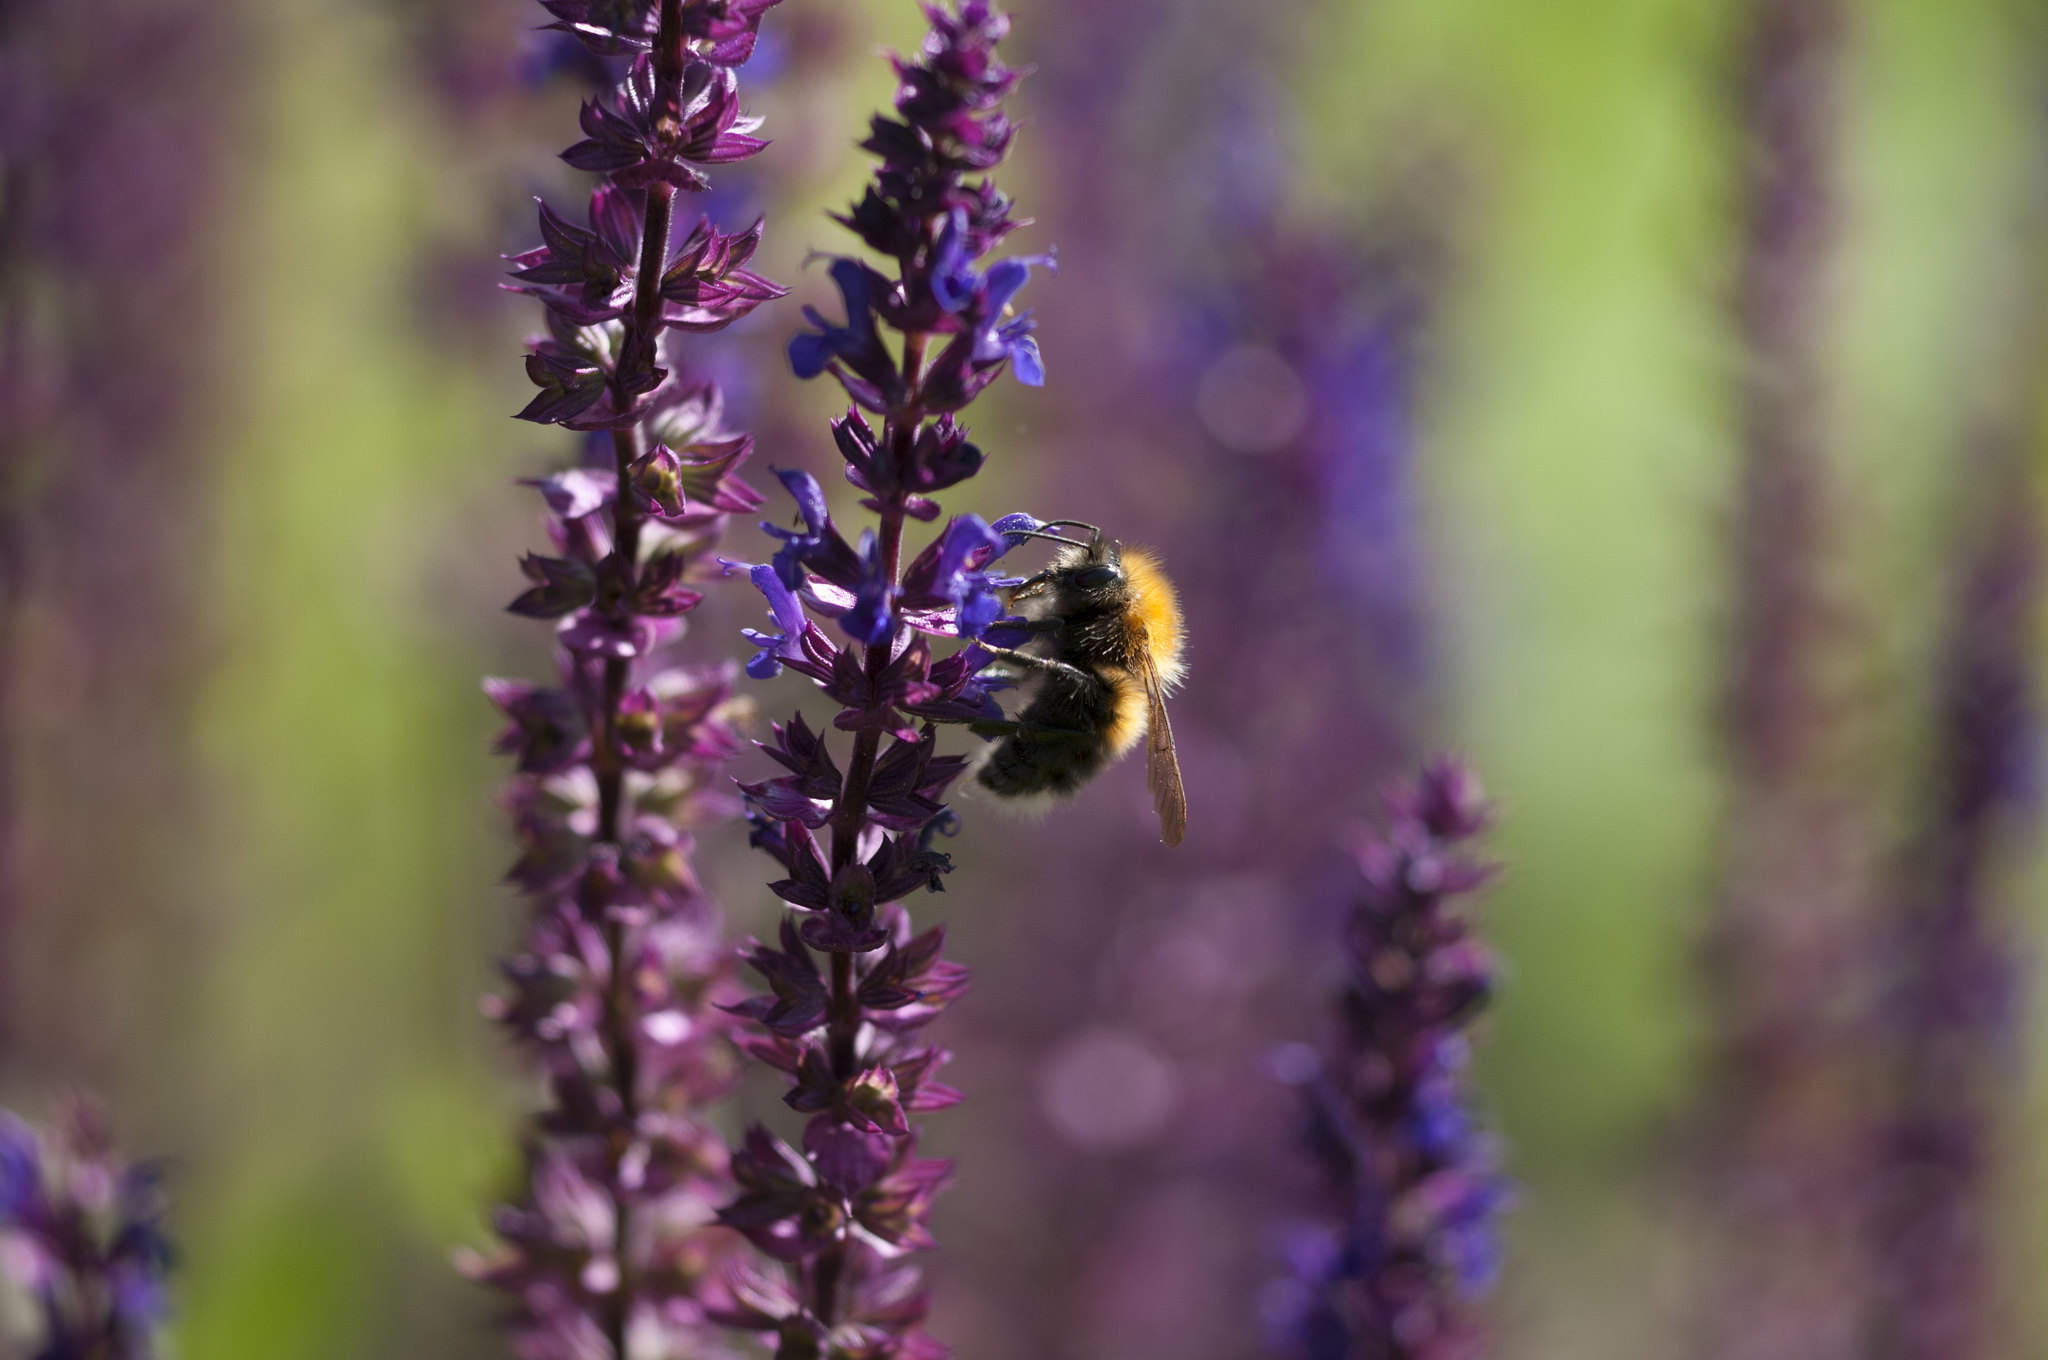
(1095, 578)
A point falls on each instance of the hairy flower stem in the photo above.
(641, 333)
(843, 1011)
(619, 1011)
(643, 328)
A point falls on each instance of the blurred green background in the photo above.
(268, 959)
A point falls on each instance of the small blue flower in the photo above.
(1025, 361)
(140, 1298)
(788, 613)
(953, 572)
(819, 546)
(1439, 1120)
(872, 617)
(1015, 527)
(954, 280)
(809, 355)
(810, 503)
(1471, 1240)
(1011, 339)
(959, 288)
(21, 1171)
(968, 546)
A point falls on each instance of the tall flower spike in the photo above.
(1782, 1160)
(616, 994)
(81, 1233)
(1956, 984)
(1413, 1180)
(852, 832)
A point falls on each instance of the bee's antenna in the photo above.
(1039, 533)
(1071, 524)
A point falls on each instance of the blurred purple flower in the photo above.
(115, 150)
(1954, 996)
(81, 1233)
(1782, 1130)
(1413, 1234)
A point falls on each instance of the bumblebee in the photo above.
(1105, 648)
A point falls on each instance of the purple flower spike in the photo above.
(850, 986)
(1959, 976)
(1413, 1237)
(621, 996)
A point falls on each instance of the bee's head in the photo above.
(1090, 568)
(1098, 568)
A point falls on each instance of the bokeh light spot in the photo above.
(1107, 1089)
(1251, 400)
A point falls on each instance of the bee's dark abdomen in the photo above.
(1026, 763)
(1042, 758)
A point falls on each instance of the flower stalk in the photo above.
(617, 988)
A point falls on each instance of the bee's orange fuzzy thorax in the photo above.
(1157, 607)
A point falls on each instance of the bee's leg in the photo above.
(1043, 663)
(1030, 585)
(1009, 728)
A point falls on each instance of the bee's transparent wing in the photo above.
(1162, 768)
